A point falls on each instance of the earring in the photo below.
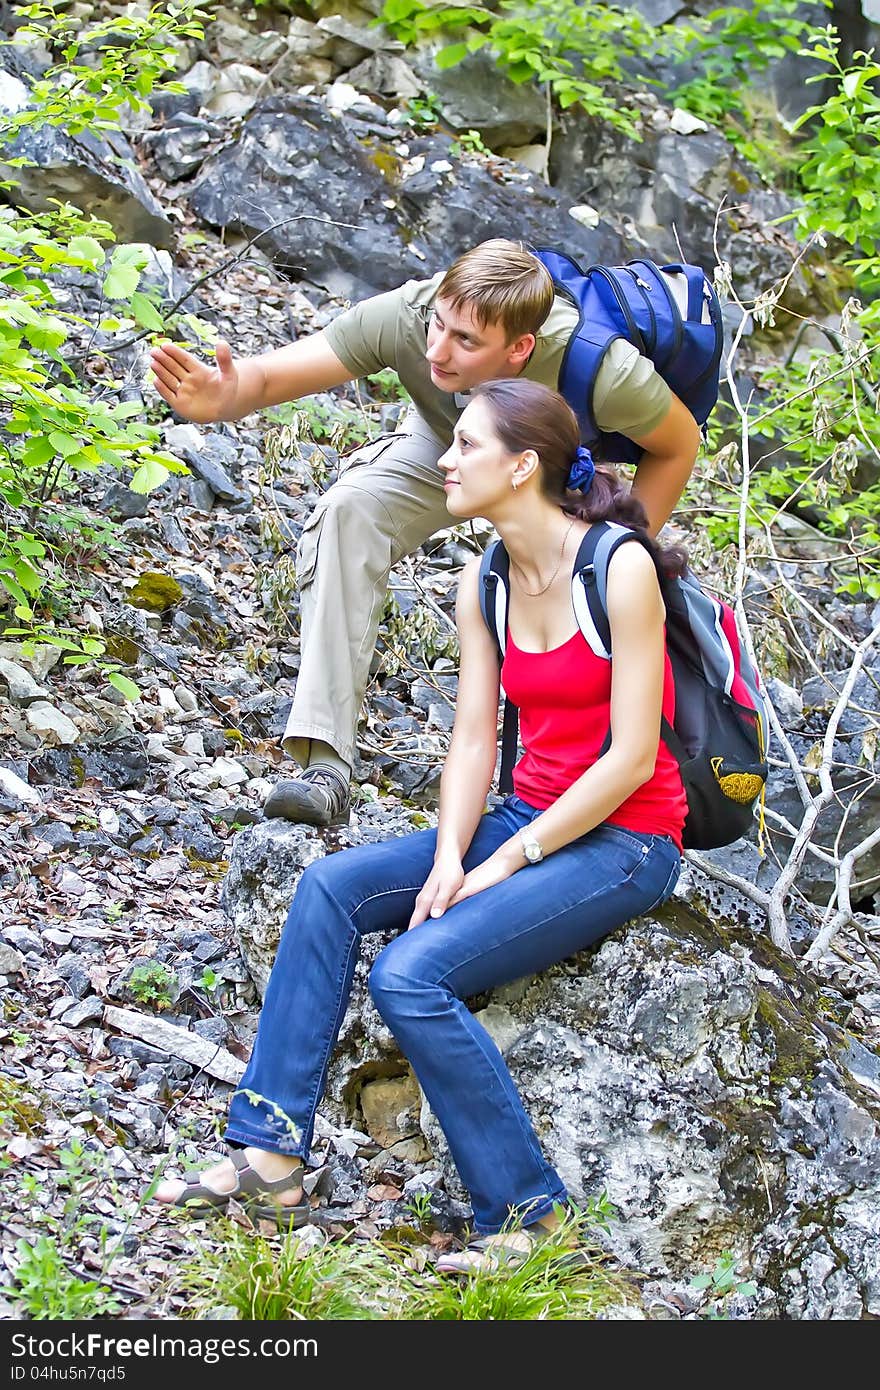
(514, 484)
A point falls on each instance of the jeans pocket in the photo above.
(629, 848)
(669, 889)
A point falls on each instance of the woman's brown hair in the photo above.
(527, 415)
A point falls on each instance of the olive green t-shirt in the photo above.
(390, 330)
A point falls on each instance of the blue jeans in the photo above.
(536, 917)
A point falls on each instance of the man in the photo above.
(492, 314)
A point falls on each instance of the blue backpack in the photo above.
(669, 313)
(719, 732)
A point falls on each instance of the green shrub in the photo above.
(152, 983)
(55, 426)
(45, 1288)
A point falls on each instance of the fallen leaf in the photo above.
(384, 1192)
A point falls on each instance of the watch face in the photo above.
(533, 853)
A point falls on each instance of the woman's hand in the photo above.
(442, 883)
(192, 388)
(506, 860)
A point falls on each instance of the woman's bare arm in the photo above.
(470, 763)
(636, 615)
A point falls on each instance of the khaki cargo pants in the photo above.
(384, 505)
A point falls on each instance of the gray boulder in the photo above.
(476, 93)
(97, 175)
(357, 216)
(683, 1069)
(665, 193)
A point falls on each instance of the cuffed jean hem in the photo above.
(234, 1134)
(529, 1212)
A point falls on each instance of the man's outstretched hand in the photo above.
(192, 388)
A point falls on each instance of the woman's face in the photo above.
(478, 468)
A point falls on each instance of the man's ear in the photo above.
(520, 350)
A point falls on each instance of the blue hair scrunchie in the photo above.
(582, 471)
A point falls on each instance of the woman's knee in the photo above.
(314, 892)
(400, 972)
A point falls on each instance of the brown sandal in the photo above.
(506, 1252)
(251, 1190)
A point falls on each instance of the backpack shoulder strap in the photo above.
(589, 582)
(589, 341)
(696, 286)
(494, 589)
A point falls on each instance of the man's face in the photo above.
(462, 352)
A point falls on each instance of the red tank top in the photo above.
(564, 701)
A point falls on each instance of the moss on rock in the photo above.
(155, 592)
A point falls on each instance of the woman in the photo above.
(587, 841)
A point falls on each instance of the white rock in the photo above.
(186, 699)
(342, 95)
(226, 772)
(683, 123)
(583, 213)
(180, 1043)
(40, 662)
(46, 719)
(236, 90)
(787, 701)
(23, 689)
(194, 745)
(200, 79)
(184, 437)
(108, 820)
(167, 701)
(11, 785)
(92, 618)
(157, 749)
(205, 575)
(44, 660)
(441, 166)
(10, 959)
(532, 157)
(13, 93)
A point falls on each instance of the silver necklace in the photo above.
(536, 593)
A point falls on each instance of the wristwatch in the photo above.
(530, 846)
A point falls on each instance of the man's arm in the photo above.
(236, 387)
(667, 463)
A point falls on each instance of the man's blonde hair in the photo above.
(502, 283)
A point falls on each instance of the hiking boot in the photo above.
(321, 796)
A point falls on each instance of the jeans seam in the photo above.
(332, 1037)
(386, 893)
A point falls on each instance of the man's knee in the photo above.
(356, 525)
